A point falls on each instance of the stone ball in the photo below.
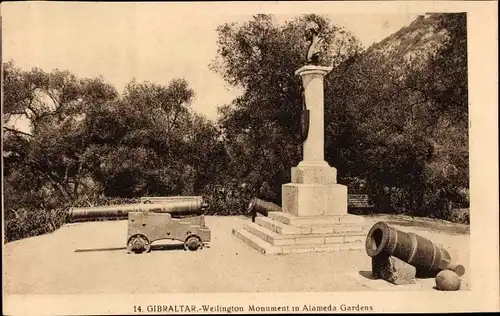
(448, 280)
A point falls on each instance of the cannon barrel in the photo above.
(262, 207)
(179, 208)
(429, 258)
(169, 199)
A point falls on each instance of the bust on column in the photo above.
(314, 189)
(318, 170)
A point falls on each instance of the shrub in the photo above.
(460, 215)
(228, 199)
(33, 221)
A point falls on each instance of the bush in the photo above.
(31, 222)
(224, 199)
(28, 222)
(460, 215)
(228, 199)
(101, 200)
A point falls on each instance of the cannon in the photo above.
(262, 207)
(169, 199)
(427, 257)
(176, 208)
(181, 220)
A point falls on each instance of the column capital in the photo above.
(313, 69)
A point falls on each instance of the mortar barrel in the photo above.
(413, 249)
(262, 207)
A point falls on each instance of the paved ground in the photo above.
(90, 258)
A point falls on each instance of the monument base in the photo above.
(314, 217)
(285, 233)
(314, 174)
(304, 199)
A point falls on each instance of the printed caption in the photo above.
(202, 309)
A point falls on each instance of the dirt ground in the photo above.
(90, 258)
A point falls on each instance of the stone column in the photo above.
(314, 190)
(312, 80)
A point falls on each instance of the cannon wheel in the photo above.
(193, 243)
(138, 244)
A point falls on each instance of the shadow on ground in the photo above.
(368, 275)
(101, 249)
(170, 247)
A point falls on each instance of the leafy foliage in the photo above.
(396, 126)
(404, 109)
(261, 127)
(395, 114)
(86, 142)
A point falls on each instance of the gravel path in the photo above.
(90, 258)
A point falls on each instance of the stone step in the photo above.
(289, 249)
(255, 242)
(266, 248)
(284, 229)
(265, 234)
(280, 228)
(276, 239)
(306, 221)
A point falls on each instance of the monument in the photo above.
(314, 206)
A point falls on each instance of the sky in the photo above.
(156, 42)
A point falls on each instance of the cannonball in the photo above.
(448, 280)
(460, 270)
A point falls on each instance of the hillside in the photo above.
(423, 36)
(397, 118)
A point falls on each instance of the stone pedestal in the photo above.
(393, 270)
(305, 199)
(314, 205)
(323, 174)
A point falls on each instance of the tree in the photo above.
(150, 143)
(403, 104)
(86, 142)
(43, 167)
(260, 128)
(54, 105)
(135, 140)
